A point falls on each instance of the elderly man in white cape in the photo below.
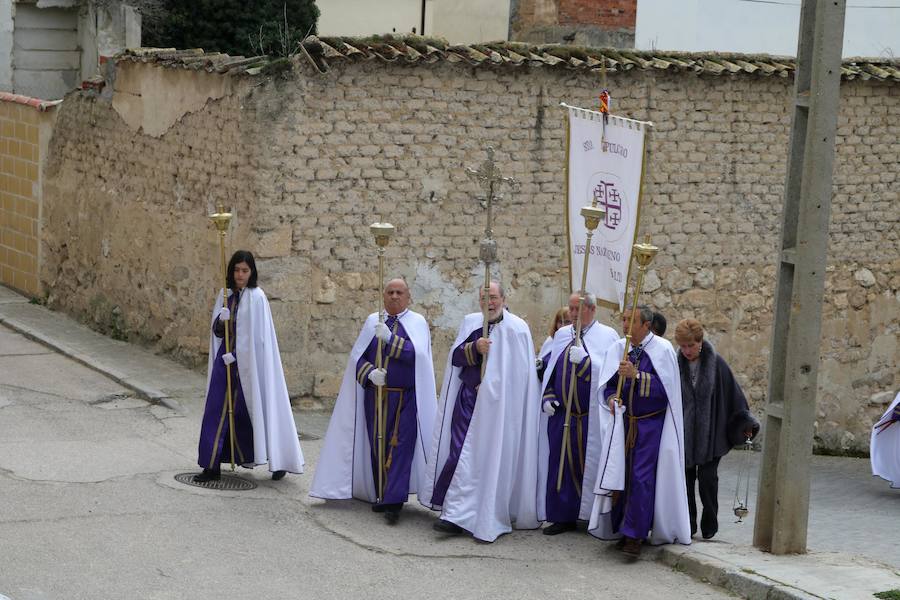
(575, 496)
(348, 465)
(640, 485)
(885, 445)
(264, 428)
(482, 470)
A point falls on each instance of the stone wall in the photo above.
(309, 160)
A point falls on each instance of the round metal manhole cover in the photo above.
(306, 437)
(230, 483)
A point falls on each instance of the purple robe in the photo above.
(564, 505)
(645, 414)
(467, 357)
(399, 357)
(215, 445)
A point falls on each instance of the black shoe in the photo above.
(207, 475)
(632, 547)
(378, 508)
(392, 516)
(446, 527)
(708, 535)
(620, 543)
(558, 528)
(278, 475)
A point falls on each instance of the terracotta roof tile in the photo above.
(327, 51)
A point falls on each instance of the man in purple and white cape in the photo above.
(885, 445)
(482, 470)
(348, 465)
(651, 500)
(574, 499)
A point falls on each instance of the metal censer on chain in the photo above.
(741, 503)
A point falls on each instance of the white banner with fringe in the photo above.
(605, 163)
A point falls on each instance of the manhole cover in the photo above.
(305, 437)
(231, 483)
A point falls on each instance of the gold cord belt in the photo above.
(632, 427)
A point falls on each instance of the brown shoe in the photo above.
(632, 547)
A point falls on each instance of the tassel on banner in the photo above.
(604, 110)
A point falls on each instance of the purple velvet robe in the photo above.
(469, 360)
(644, 417)
(563, 506)
(399, 357)
(215, 445)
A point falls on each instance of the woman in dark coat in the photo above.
(716, 418)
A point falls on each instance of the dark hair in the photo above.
(241, 256)
(658, 324)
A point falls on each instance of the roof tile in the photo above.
(418, 49)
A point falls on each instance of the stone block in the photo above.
(272, 243)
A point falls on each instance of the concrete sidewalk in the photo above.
(854, 519)
(153, 378)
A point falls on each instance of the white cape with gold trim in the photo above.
(262, 380)
(884, 448)
(344, 469)
(598, 338)
(494, 486)
(671, 520)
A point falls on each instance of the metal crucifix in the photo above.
(489, 178)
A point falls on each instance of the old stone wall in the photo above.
(309, 160)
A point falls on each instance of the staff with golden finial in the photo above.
(382, 233)
(592, 216)
(222, 220)
(643, 255)
(488, 177)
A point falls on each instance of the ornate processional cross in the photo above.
(488, 177)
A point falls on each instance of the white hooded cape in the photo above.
(671, 520)
(262, 381)
(344, 469)
(884, 448)
(597, 339)
(494, 487)
(546, 347)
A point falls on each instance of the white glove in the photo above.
(577, 354)
(383, 332)
(550, 407)
(378, 377)
(224, 314)
(228, 358)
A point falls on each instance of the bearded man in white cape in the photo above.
(575, 497)
(264, 428)
(482, 472)
(348, 465)
(650, 502)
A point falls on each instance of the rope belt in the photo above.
(395, 441)
(632, 426)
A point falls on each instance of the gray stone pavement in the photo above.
(90, 507)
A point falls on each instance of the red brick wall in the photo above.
(606, 14)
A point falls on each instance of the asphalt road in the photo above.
(89, 508)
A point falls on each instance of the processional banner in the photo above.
(605, 164)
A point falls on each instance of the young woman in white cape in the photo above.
(265, 432)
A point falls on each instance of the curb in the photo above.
(744, 582)
(145, 392)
